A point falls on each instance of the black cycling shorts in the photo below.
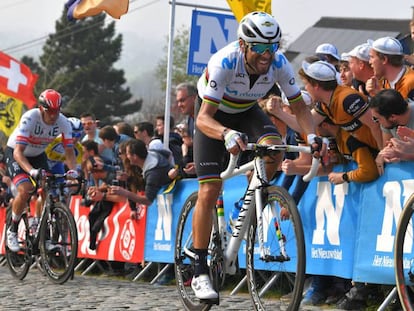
(210, 155)
(16, 173)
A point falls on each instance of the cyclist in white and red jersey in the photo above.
(25, 152)
(236, 77)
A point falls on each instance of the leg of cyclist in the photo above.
(202, 220)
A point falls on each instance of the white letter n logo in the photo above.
(333, 212)
(163, 230)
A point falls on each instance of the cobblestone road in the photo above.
(101, 292)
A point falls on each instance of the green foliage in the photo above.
(77, 60)
(180, 56)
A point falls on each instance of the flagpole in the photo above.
(170, 56)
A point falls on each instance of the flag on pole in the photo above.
(16, 91)
(241, 7)
(17, 80)
(78, 9)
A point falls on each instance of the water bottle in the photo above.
(234, 214)
(221, 220)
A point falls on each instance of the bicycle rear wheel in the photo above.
(184, 257)
(404, 261)
(19, 262)
(276, 282)
(58, 243)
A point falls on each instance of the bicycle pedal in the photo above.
(210, 301)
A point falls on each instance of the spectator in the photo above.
(358, 59)
(145, 132)
(155, 167)
(124, 128)
(175, 140)
(386, 57)
(111, 140)
(345, 73)
(396, 117)
(329, 53)
(343, 105)
(186, 96)
(90, 129)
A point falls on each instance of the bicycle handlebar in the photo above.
(230, 170)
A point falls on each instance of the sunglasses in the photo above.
(261, 48)
(375, 119)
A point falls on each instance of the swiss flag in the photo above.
(17, 80)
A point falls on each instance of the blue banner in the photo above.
(349, 228)
(209, 33)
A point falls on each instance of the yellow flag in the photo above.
(241, 7)
(11, 109)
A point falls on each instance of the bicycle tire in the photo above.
(58, 243)
(184, 264)
(277, 284)
(19, 262)
(404, 275)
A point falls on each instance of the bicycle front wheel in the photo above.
(404, 264)
(58, 243)
(184, 257)
(19, 262)
(276, 277)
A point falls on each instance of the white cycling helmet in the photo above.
(259, 27)
(76, 124)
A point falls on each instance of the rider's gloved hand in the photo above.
(233, 138)
(35, 173)
(72, 174)
(318, 149)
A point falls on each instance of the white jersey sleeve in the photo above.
(35, 134)
(226, 82)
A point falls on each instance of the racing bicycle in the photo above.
(278, 252)
(403, 261)
(54, 242)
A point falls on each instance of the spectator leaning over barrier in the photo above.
(145, 132)
(386, 57)
(345, 106)
(155, 167)
(396, 118)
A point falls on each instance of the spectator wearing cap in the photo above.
(328, 52)
(358, 60)
(345, 73)
(386, 57)
(343, 105)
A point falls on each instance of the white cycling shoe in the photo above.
(12, 242)
(202, 287)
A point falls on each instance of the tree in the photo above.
(78, 60)
(180, 56)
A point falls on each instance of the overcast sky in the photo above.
(146, 25)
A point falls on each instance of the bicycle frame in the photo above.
(252, 200)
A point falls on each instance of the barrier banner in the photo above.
(120, 239)
(381, 203)
(163, 214)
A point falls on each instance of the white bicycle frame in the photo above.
(253, 199)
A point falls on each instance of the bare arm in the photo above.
(303, 117)
(70, 157)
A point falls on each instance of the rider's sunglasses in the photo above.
(261, 48)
